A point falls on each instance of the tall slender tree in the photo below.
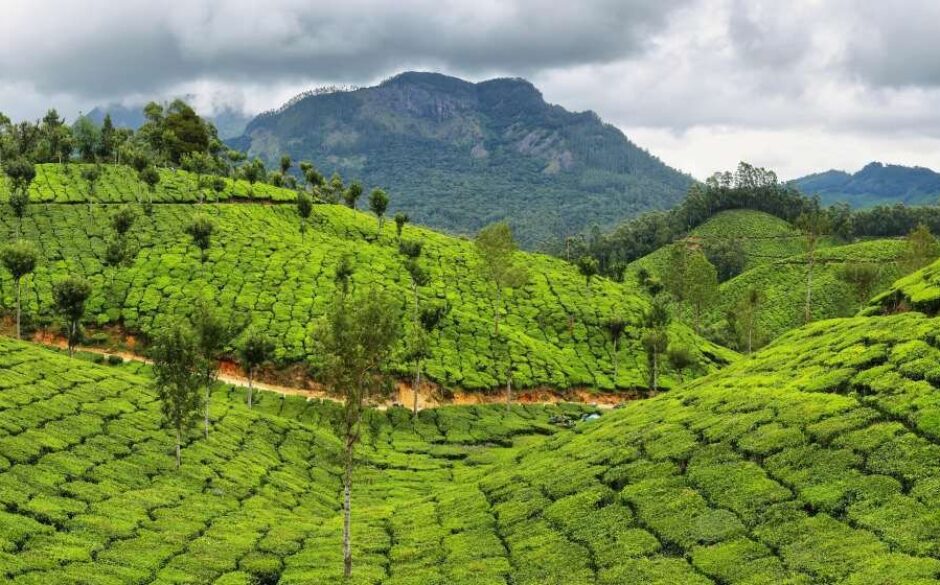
(352, 194)
(254, 353)
(401, 218)
(355, 341)
(498, 264)
(813, 224)
(615, 328)
(177, 377)
(213, 333)
(20, 260)
(70, 296)
(304, 209)
(378, 204)
(201, 230)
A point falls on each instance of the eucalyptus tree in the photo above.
(19, 258)
(254, 353)
(200, 230)
(177, 371)
(352, 194)
(401, 218)
(70, 296)
(213, 333)
(378, 204)
(304, 209)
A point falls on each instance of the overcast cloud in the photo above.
(800, 86)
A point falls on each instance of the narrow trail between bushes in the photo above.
(404, 393)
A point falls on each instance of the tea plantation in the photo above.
(261, 267)
(56, 183)
(814, 461)
(919, 291)
(89, 493)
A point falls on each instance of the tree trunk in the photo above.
(499, 303)
(508, 393)
(18, 281)
(73, 326)
(249, 387)
(414, 409)
(179, 456)
(807, 311)
(616, 363)
(347, 511)
(655, 371)
(207, 409)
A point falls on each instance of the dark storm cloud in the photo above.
(110, 48)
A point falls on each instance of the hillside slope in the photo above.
(918, 291)
(261, 267)
(875, 184)
(89, 493)
(815, 461)
(775, 263)
(458, 155)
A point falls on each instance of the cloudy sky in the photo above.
(798, 86)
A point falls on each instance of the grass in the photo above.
(919, 291)
(262, 268)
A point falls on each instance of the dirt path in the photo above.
(228, 374)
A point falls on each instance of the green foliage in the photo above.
(177, 370)
(70, 295)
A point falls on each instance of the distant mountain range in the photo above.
(457, 155)
(875, 184)
(229, 122)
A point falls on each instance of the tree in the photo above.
(87, 138)
(378, 204)
(862, 277)
(150, 177)
(254, 353)
(20, 260)
(352, 194)
(200, 230)
(285, 164)
(343, 275)
(213, 333)
(746, 317)
(70, 296)
(701, 285)
(680, 358)
(401, 218)
(727, 255)
(812, 224)
(656, 337)
(177, 376)
(21, 173)
(417, 349)
(304, 209)
(497, 250)
(355, 340)
(921, 249)
(107, 145)
(253, 172)
(588, 267)
(198, 163)
(218, 185)
(615, 328)
(91, 174)
(123, 220)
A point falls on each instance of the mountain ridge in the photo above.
(457, 155)
(875, 184)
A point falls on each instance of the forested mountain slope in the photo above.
(261, 268)
(458, 155)
(875, 184)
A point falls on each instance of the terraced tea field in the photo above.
(89, 493)
(261, 267)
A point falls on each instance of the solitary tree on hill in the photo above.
(352, 194)
(615, 328)
(286, 164)
(588, 267)
(212, 334)
(91, 174)
(813, 225)
(200, 230)
(70, 296)
(21, 173)
(254, 353)
(343, 275)
(355, 341)
(20, 260)
(921, 249)
(497, 250)
(702, 285)
(304, 209)
(378, 204)
(177, 369)
(656, 337)
(401, 218)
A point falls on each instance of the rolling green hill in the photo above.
(261, 267)
(919, 291)
(458, 155)
(89, 493)
(776, 265)
(813, 461)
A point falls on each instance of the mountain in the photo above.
(876, 184)
(457, 155)
(228, 121)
